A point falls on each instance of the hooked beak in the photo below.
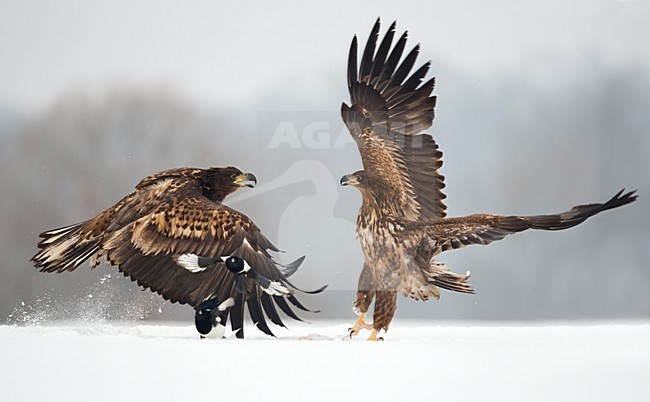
(349, 180)
(243, 178)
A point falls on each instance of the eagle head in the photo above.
(218, 182)
(373, 188)
(361, 180)
(353, 179)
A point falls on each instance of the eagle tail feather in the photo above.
(454, 282)
(437, 276)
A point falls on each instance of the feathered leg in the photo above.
(362, 304)
(365, 295)
(385, 307)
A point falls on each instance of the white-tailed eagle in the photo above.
(174, 236)
(402, 222)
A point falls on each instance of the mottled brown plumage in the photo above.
(401, 223)
(173, 213)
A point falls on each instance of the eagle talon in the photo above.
(359, 325)
(373, 336)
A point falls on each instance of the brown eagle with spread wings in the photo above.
(174, 236)
(401, 223)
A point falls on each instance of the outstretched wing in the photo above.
(389, 109)
(454, 233)
(148, 251)
(64, 249)
(161, 236)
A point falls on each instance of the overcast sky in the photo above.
(220, 53)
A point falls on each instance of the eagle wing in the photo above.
(389, 110)
(167, 216)
(147, 251)
(454, 233)
(424, 275)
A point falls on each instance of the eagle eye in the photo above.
(233, 176)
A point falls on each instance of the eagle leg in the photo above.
(385, 307)
(359, 325)
(365, 296)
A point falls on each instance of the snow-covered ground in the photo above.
(418, 361)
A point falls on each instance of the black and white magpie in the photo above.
(211, 315)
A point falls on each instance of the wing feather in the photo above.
(255, 311)
(284, 306)
(389, 110)
(237, 316)
(270, 310)
(455, 233)
(144, 251)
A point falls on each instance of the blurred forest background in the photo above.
(540, 107)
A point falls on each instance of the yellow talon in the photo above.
(374, 337)
(359, 325)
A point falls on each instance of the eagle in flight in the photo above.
(402, 223)
(174, 236)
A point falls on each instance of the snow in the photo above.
(418, 360)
